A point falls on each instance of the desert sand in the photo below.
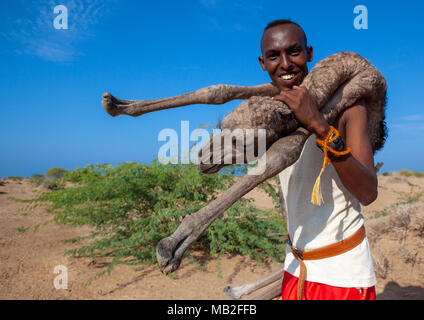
(28, 258)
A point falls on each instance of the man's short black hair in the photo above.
(285, 21)
(280, 22)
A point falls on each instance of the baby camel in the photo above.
(336, 82)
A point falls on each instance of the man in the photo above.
(350, 180)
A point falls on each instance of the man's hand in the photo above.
(305, 109)
(355, 171)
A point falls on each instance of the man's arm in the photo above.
(356, 171)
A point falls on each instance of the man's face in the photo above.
(285, 55)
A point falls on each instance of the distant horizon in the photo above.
(381, 172)
(54, 71)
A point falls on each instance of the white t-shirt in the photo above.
(311, 227)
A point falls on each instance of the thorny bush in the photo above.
(131, 207)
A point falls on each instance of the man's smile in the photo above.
(288, 79)
(288, 76)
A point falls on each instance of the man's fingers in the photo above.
(300, 88)
(283, 95)
(284, 98)
(291, 93)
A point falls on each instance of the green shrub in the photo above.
(22, 229)
(55, 173)
(17, 178)
(37, 179)
(408, 173)
(131, 207)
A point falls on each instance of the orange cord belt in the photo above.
(322, 253)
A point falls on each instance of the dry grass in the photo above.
(405, 173)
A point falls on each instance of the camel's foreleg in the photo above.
(216, 94)
(280, 155)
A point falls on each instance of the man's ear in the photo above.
(310, 52)
(262, 63)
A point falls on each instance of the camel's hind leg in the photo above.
(245, 289)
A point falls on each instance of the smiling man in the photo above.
(328, 256)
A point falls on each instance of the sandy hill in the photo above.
(394, 222)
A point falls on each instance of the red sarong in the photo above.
(320, 291)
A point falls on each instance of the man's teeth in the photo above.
(288, 76)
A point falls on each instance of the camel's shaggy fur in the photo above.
(337, 82)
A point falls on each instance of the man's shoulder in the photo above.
(358, 111)
(354, 116)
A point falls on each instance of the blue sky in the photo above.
(51, 81)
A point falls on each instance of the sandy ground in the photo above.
(28, 259)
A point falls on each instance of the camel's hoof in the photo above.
(171, 267)
(230, 293)
(109, 104)
(165, 251)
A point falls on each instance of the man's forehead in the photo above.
(281, 35)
